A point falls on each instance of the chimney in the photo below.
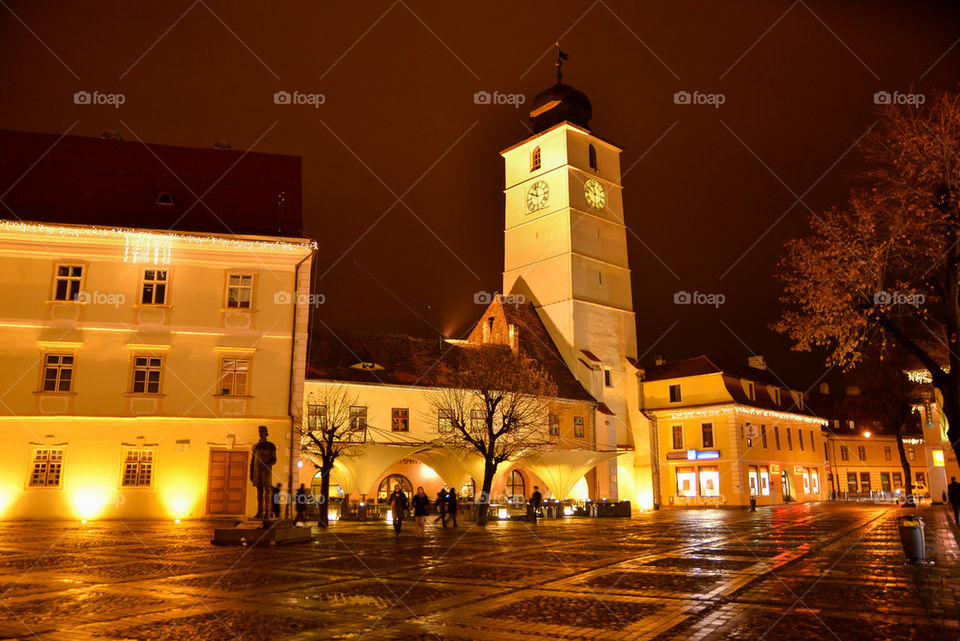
(658, 359)
(824, 388)
(853, 390)
(222, 144)
(111, 135)
(757, 361)
(514, 332)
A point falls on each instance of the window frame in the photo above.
(60, 368)
(553, 425)
(707, 428)
(69, 278)
(536, 159)
(679, 393)
(139, 465)
(148, 368)
(154, 282)
(49, 463)
(675, 431)
(228, 287)
(579, 427)
(400, 419)
(450, 416)
(232, 391)
(316, 417)
(358, 418)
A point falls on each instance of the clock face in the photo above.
(537, 195)
(594, 193)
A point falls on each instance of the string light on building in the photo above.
(729, 409)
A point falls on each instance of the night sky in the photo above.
(402, 177)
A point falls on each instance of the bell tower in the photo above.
(565, 250)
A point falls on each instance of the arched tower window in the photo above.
(592, 151)
(516, 489)
(387, 484)
(535, 159)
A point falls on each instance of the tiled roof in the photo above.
(115, 183)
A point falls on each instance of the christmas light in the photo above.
(743, 409)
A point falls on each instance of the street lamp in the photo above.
(866, 434)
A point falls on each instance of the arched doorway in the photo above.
(785, 485)
(335, 491)
(516, 488)
(387, 484)
(468, 491)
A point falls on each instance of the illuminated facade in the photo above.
(726, 433)
(137, 364)
(566, 253)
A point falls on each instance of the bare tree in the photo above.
(885, 268)
(492, 402)
(327, 433)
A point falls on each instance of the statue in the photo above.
(264, 456)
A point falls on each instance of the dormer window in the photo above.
(751, 391)
(776, 395)
(535, 159)
(592, 153)
(165, 199)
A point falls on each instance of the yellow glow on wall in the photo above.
(90, 501)
(938, 460)
(8, 493)
(179, 498)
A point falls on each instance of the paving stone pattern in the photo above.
(815, 571)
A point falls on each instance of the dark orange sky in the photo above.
(402, 177)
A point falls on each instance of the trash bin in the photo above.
(911, 537)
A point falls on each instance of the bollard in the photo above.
(753, 504)
(911, 531)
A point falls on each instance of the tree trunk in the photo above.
(489, 469)
(907, 478)
(323, 518)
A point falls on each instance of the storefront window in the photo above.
(764, 481)
(753, 479)
(709, 481)
(806, 479)
(686, 481)
(885, 481)
(815, 481)
(897, 481)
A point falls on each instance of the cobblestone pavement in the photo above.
(803, 571)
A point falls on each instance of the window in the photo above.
(921, 478)
(763, 435)
(387, 485)
(445, 421)
(864, 482)
(709, 481)
(751, 391)
(592, 156)
(800, 438)
(789, 439)
(239, 291)
(776, 395)
(607, 378)
(578, 426)
(753, 480)
(47, 465)
(677, 437)
(861, 453)
(233, 376)
(69, 278)
(358, 417)
(776, 435)
(154, 290)
(468, 490)
(553, 424)
(852, 482)
(887, 454)
(400, 419)
(706, 431)
(516, 488)
(806, 480)
(814, 481)
(478, 420)
(535, 159)
(911, 454)
(844, 453)
(686, 481)
(764, 481)
(674, 393)
(57, 372)
(897, 481)
(146, 374)
(138, 468)
(812, 446)
(316, 417)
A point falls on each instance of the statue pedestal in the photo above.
(252, 532)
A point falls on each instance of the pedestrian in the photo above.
(421, 507)
(452, 505)
(441, 506)
(398, 503)
(275, 501)
(535, 500)
(953, 493)
(301, 505)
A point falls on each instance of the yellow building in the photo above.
(726, 432)
(137, 364)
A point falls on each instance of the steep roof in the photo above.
(115, 183)
(865, 413)
(394, 359)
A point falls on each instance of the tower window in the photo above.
(592, 151)
(535, 159)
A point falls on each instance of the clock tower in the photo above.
(566, 252)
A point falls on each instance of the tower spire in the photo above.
(561, 56)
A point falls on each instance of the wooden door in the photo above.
(227, 482)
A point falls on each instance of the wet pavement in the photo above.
(813, 571)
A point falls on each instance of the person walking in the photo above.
(953, 494)
(535, 500)
(441, 506)
(452, 505)
(275, 501)
(301, 505)
(421, 507)
(398, 503)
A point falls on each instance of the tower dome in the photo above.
(558, 103)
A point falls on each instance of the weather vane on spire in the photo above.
(560, 58)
